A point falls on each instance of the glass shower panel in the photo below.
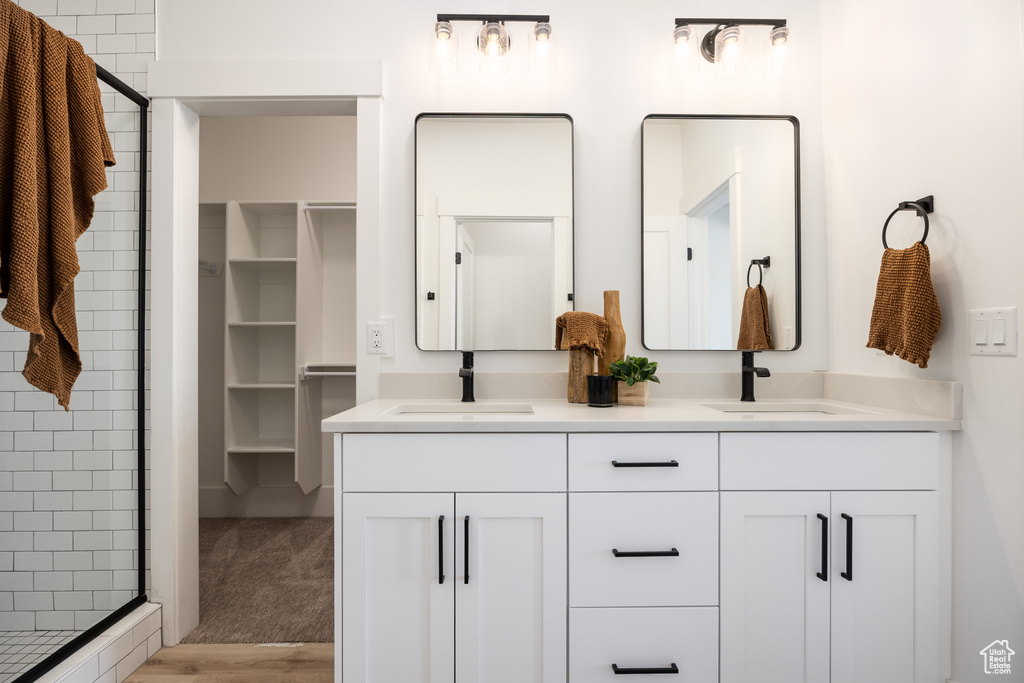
(69, 481)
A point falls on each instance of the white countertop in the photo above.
(661, 415)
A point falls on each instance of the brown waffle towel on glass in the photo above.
(906, 315)
(579, 329)
(53, 151)
(755, 329)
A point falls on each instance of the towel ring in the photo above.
(923, 207)
(760, 273)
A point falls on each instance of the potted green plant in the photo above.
(634, 373)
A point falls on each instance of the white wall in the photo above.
(612, 72)
(277, 157)
(917, 102)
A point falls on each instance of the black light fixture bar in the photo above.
(531, 18)
(776, 23)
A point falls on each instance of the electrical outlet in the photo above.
(380, 337)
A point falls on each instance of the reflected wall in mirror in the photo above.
(494, 230)
(719, 192)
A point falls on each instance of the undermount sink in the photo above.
(459, 408)
(770, 407)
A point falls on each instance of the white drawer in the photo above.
(813, 461)
(686, 523)
(643, 462)
(453, 462)
(686, 637)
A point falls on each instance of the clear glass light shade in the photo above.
(778, 54)
(542, 50)
(444, 50)
(730, 52)
(684, 55)
(493, 43)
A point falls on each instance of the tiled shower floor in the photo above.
(21, 650)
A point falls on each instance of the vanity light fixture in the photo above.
(725, 46)
(493, 42)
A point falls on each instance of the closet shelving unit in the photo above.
(274, 341)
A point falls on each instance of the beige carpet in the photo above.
(265, 581)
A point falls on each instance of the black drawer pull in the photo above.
(848, 574)
(823, 574)
(669, 463)
(465, 552)
(646, 553)
(440, 549)
(670, 669)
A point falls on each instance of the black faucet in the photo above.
(748, 376)
(466, 373)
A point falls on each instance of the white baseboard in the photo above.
(220, 501)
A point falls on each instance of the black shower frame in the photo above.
(72, 646)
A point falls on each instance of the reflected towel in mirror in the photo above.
(755, 329)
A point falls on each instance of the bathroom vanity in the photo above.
(541, 541)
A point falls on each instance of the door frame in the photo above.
(181, 92)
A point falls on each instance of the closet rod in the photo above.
(329, 207)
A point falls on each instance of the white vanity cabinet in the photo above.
(453, 558)
(643, 550)
(803, 600)
(600, 556)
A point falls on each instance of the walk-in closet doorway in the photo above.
(184, 96)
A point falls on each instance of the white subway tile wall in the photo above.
(68, 529)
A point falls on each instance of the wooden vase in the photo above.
(636, 395)
(615, 339)
(581, 364)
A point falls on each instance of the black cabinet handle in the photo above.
(465, 553)
(646, 553)
(670, 669)
(823, 574)
(440, 550)
(668, 463)
(848, 574)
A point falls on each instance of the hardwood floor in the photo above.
(289, 663)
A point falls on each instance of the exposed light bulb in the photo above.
(684, 60)
(542, 50)
(444, 50)
(778, 54)
(730, 53)
(493, 43)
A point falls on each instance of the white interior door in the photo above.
(465, 289)
(399, 588)
(885, 615)
(511, 604)
(774, 608)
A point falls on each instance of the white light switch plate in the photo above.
(993, 331)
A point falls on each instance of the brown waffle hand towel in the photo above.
(755, 330)
(579, 329)
(53, 151)
(906, 315)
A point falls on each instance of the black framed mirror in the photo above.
(720, 212)
(494, 230)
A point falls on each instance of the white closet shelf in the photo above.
(328, 206)
(263, 385)
(262, 323)
(265, 444)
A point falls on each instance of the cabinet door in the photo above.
(885, 612)
(511, 605)
(397, 610)
(774, 608)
